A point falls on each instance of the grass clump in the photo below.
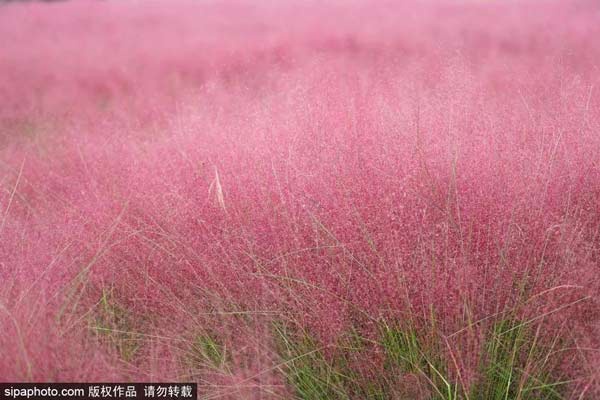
(113, 324)
(516, 363)
(308, 371)
(207, 351)
(410, 352)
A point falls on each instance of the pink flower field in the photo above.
(303, 199)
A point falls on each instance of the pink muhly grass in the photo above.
(180, 179)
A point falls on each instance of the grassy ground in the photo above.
(302, 200)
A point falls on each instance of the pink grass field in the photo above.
(170, 169)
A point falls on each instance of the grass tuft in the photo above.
(113, 325)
